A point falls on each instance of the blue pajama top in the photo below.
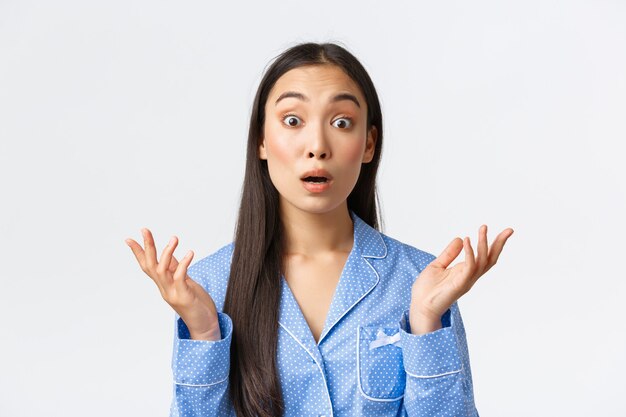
(367, 362)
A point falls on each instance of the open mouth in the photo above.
(315, 180)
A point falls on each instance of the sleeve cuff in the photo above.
(201, 362)
(431, 354)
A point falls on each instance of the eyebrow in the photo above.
(300, 96)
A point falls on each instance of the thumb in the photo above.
(173, 264)
(449, 254)
(181, 271)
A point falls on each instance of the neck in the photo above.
(312, 234)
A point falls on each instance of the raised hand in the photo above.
(192, 303)
(437, 288)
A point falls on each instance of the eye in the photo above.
(291, 120)
(344, 123)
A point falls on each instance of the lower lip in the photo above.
(316, 188)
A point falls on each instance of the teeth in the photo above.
(316, 180)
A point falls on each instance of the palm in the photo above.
(189, 299)
(438, 287)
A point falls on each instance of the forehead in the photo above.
(316, 82)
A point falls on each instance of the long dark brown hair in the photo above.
(253, 293)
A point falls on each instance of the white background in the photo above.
(119, 115)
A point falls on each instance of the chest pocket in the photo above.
(380, 369)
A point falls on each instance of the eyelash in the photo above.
(349, 119)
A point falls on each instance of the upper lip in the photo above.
(317, 173)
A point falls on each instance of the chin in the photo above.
(314, 205)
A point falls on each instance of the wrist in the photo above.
(211, 335)
(424, 324)
(206, 332)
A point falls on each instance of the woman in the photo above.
(311, 310)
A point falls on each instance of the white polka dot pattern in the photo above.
(366, 363)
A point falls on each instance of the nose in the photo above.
(318, 145)
(322, 155)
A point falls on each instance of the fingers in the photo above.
(137, 251)
(150, 250)
(166, 256)
(173, 264)
(474, 266)
(464, 280)
(168, 274)
(470, 261)
(181, 272)
(481, 259)
(497, 245)
(449, 254)
(141, 256)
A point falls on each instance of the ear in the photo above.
(370, 145)
(262, 152)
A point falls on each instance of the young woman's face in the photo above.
(315, 118)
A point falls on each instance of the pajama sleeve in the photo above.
(200, 369)
(438, 375)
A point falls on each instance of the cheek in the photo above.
(277, 146)
(353, 151)
(355, 154)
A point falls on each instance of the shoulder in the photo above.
(404, 253)
(212, 272)
(216, 261)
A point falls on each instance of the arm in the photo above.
(436, 359)
(438, 374)
(200, 369)
(201, 365)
